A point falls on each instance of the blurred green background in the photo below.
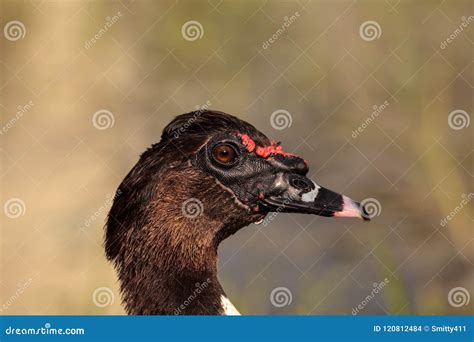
(133, 61)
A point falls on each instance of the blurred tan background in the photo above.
(86, 86)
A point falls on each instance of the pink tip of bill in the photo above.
(350, 209)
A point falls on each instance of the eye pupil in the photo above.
(224, 154)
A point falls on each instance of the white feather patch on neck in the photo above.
(228, 307)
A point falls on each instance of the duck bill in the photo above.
(316, 200)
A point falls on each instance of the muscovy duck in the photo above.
(209, 176)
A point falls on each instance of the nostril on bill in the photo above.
(301, 184)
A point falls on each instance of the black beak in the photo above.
(298, 194)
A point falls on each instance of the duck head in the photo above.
(209, 176)
(264, 178)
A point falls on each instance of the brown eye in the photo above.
(224, 154)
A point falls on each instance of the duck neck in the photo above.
(168, 274)
(164, 246)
